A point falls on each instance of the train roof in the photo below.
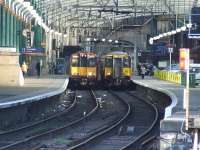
(83, 52)
(117, 54)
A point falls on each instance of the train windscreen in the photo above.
(108, 62)
(127, 62)
(75, 61)
(83, 61)
(92, 62)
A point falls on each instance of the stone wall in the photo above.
(10, 71)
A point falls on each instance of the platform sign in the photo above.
(184, 58)
(170, 50)
(32, 50)
(194, 28)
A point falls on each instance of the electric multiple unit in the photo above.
(83, 68)
(117, 68)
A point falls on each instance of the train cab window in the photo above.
(75, 62)
(83, 61)
(127, 62)
(108, 62)
(92, 62)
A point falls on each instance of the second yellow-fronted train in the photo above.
(117, 68)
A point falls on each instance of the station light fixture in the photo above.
(169, 33)
(173, 32)
(103, 40)
(65, 35)
(88, 39)
(39, 22)
(151, 41)
(178, 30)
(27, 12)
(110, 40)
(56, 33)
(95, 39)
(116, 41)
(183, 28)
(155, 38)
(189, 25)
(165, 34)
(161, 36)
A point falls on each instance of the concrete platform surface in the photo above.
(34, 89)
(175, 91)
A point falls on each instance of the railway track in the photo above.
(116, 123)
(22, 137)
(92, 139)
(129, 133)
(149, 134)
(35, 123)
(106, 116)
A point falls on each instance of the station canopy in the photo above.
(95, 13)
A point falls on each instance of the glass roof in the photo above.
(94, 13)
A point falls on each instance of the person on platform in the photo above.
(38, 68)
(139, 69)
(143, 71)
(24, 68)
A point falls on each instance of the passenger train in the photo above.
(83, 68)
(113, 68)
(117, 69)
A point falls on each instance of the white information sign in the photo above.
(8, 49)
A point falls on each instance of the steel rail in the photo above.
(42, 121)
(29, 139)
(149, 129)
(107, 129)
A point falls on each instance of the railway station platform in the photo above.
(175, 92)
(34, 89)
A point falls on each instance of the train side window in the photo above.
(108, 62)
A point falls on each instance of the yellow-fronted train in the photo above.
(83, 68)
(117, 69)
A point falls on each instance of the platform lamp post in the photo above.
(135, 58)
(170, 50)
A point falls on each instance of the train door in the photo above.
(127, 69)
(91, 66)
(74, 66)
(108, 71)
(83, 65)
(117, 67)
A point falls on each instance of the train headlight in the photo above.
(75, 73)
(90, 74)
(108, 73)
